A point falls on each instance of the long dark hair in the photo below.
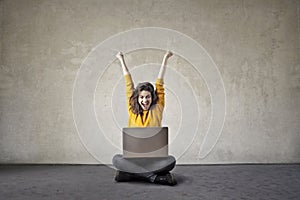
(145, 86)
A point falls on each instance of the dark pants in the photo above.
(144, 167)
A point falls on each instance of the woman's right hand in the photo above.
(120, 55)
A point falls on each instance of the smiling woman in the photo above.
(145, 99)
(145, 108)
(145, 105)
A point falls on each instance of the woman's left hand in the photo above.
(168, 54)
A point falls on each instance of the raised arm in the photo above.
(162, 70)
(160, 91)
(120, 56)
(128, 81)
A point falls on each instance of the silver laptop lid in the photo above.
(145, 142)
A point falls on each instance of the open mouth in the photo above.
(146, 105)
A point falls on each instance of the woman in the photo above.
(145, 108)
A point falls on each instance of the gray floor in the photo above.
(194, 182)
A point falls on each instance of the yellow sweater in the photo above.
(151, 117)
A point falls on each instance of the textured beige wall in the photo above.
(255, 45)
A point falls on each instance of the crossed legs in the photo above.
(155, 170)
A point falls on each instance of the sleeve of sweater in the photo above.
(129, 89)
(160, 91)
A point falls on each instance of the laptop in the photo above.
(145, 142)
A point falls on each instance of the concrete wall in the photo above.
(254, 44)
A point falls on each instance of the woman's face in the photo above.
(145, 99)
